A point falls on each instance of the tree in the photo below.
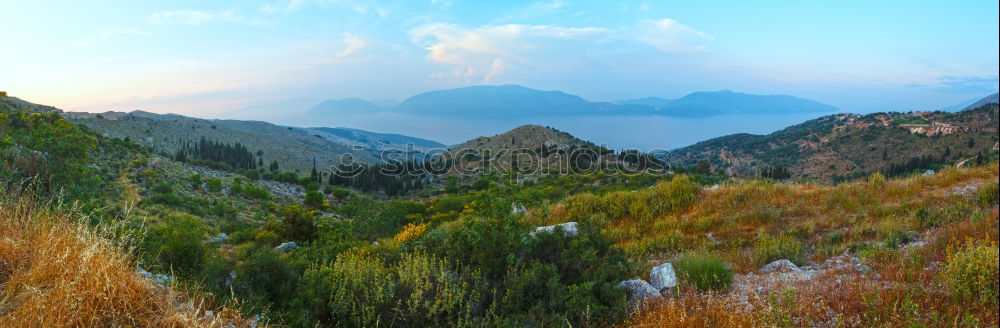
(703, 167)
(314, 175)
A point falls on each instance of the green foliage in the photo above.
(50, 152)
(265, 278)
(214, 185)
(315, 199)
(298, 224)
(988, 194)
(707, 272)
(768, 249)
(180, 244)
(972, 272)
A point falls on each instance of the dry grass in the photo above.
(57, 272)
(905, 288)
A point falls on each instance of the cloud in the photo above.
(962, 84)
(353, 43)
(109, 33)
(487, 52)
(671, 36)
(186, 17)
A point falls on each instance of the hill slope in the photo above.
(839, 145)
(292, 148)
(991, 99)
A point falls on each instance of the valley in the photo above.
(236, 216)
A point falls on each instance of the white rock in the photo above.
(638, 291)
(286, 246)
(662, 277)
(780, 266)
(569, 229)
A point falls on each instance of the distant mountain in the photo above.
(504, 101)
(844, 146)
(518, 101)
(991, 99)
(344, 106)
(729, 102)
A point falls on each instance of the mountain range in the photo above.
(504, 101)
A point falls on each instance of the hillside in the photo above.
(841, 146)
(523, 137)
(375, 143)
(729, 102)
(991, 99)
(167, 133)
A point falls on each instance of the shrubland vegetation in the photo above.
(465, 252)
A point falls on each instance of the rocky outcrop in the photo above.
(286, 246)
(568, 228)
(638, 291)
(780, 266)
(662, 277)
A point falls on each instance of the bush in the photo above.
(988, 194)
(707, 272)
(298, 224)
(971, 271)
(265, 277)
(316, 200)
(876, 180)
(214, 185)
(784, 246)
(180, 244)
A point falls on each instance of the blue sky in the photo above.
(206, 57)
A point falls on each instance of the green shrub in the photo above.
(783, 246)
(988, 194)
(298, 224)
(971, 271)
(899, 238)
(265, 277)
(707, 272)
(214, 185)
(180, 243)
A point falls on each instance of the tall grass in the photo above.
(56, 271)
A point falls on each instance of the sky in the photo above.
(206, 58)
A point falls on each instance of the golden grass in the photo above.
(906, 288)
(56, 272)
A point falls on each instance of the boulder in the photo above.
(569, 229)
(780, 266)
(638, 291)
(286, 246)
(220, 239)
(662, 277)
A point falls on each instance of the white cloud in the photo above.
(187, 17)
(669, 35)
(353, 43)
(485, 53)
(109, 33)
